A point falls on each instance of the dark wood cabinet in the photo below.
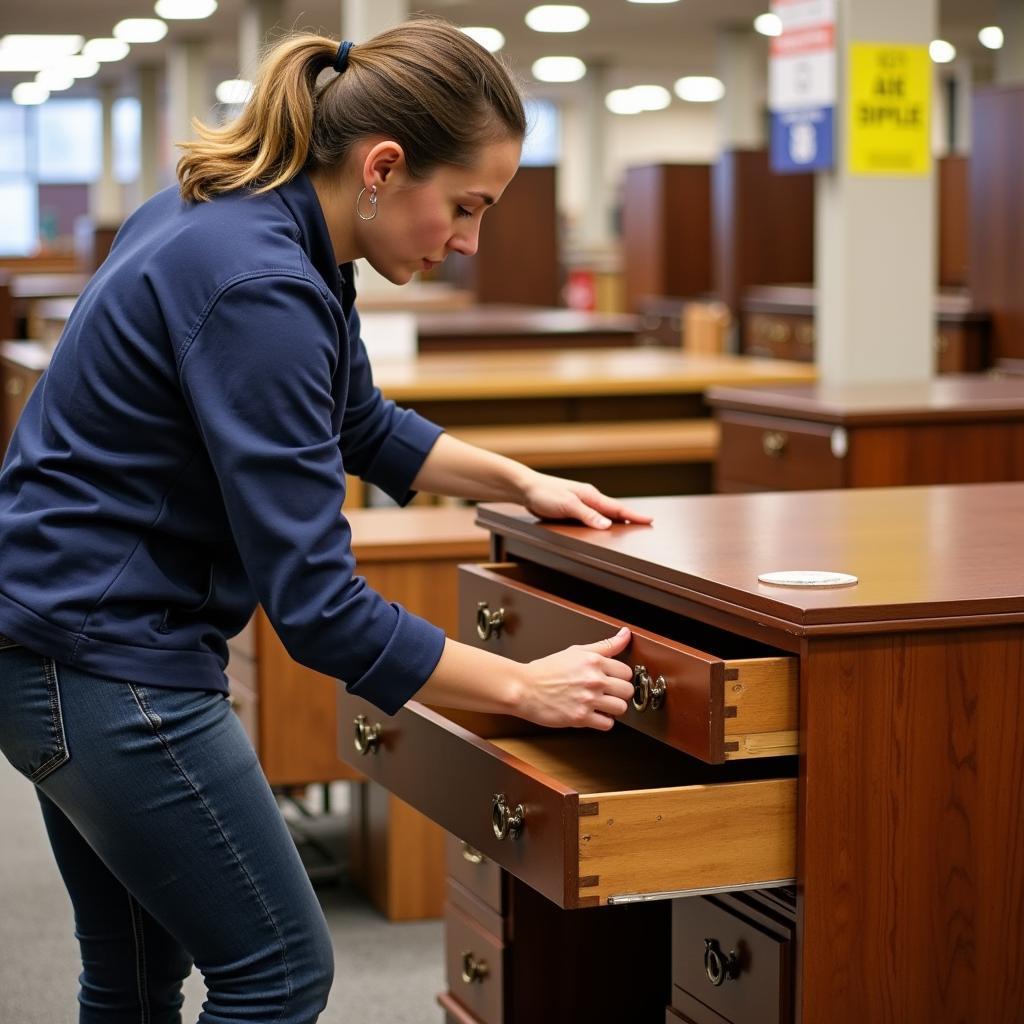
(953, 429)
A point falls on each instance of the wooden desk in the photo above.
(953, 429)
(778, 320)
(20, 292)
(900, 820)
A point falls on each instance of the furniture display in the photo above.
(778, 321)
(898, 827)
(952, 429)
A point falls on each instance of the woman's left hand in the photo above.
(551, 497)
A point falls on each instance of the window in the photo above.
(542, 146)
(69, 140)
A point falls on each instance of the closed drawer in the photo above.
(475, 872)
(780, 454)
(737, 965)
(735, 702)
(474, 963)
(585, 818)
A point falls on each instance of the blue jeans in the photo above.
(171, 846)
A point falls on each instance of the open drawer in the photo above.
(585, 818)
(723, 700)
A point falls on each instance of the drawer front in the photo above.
(740, 969)
(708, 707)
(475, 872)
(474, 963)
(780, 454)
(585, 818)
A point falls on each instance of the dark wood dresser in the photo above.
(811, 813)
(778, 320)
(952, 429)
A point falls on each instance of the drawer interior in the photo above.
(624, 760)
(718, 642)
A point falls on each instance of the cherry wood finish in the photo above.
(482, 988)
(778, 321)
(955, 429)
(476, 873)
(953, 220)
(666, 232)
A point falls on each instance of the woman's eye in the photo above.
(463, 212)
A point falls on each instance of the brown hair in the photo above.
(424, 83)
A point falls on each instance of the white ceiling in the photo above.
(636, 42)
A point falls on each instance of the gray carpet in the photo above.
(385, 973)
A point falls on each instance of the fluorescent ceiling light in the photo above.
(768, 24)
(653, 1)
(54, 46)
(559, 69)
(622, 101)
(28, 94)
(78, 67)
(105, 50)
(637, 99)
(233, 91)
(992, 37)
(18, 62)
(140, 30)
(699, 89)
(55, 79)
(557, 18)
(185, 9)
(489, 38)
(941, 52)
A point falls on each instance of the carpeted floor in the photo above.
(385, 973)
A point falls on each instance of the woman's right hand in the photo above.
(582, 686)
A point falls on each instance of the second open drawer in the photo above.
(728, 702)
(585, 818)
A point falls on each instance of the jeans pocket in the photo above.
(31, 723)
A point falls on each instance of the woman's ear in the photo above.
(382, 160)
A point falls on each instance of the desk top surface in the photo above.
(928, 556)
(498, 320)
(948, 397)
(800, 300)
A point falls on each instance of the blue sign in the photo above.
(802, 140)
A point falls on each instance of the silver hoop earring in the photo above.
(373, 203)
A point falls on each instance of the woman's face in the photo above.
(419, 222)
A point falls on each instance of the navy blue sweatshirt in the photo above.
(184, 457)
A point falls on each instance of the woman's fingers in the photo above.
(616, 707)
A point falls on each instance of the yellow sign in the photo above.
(889, 119)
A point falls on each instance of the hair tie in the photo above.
(341, 61)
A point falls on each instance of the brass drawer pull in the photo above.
(367, 737)
(472, 855)
(648, 694)
(473, 969)
(506, 822)
(489, 623)
(718, 966)
(773, 443)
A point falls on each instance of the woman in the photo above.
(185, 456)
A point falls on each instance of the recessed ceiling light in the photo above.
(559, 69)
(653, 1)
(140, 30)
(181, 10)
(557, 18)
(28, 94)
(699, 89)
(637, 99)
(233, 91)
(106, 49)
(53, 45)
(992, 37)
(768, 24)
(489, 38)
(77, 66)
(622, 101)
(55, 80)
(941, 52)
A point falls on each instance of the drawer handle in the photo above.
(472, 855)
(648, 694)
(489, 623)
(719, 967)
(473, 969)
(773, 443)
(367, 737)
(506, 822)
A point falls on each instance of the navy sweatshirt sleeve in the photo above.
(261, 377)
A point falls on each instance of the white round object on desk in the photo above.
(807, 578)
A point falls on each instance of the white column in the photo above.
(188, 92)
(361, 19)
(154, 172)
(105, 205)
(594, 228)
(1010, 59)
(875, 246)
(259, 20)
(963, 71)
(741, 62)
